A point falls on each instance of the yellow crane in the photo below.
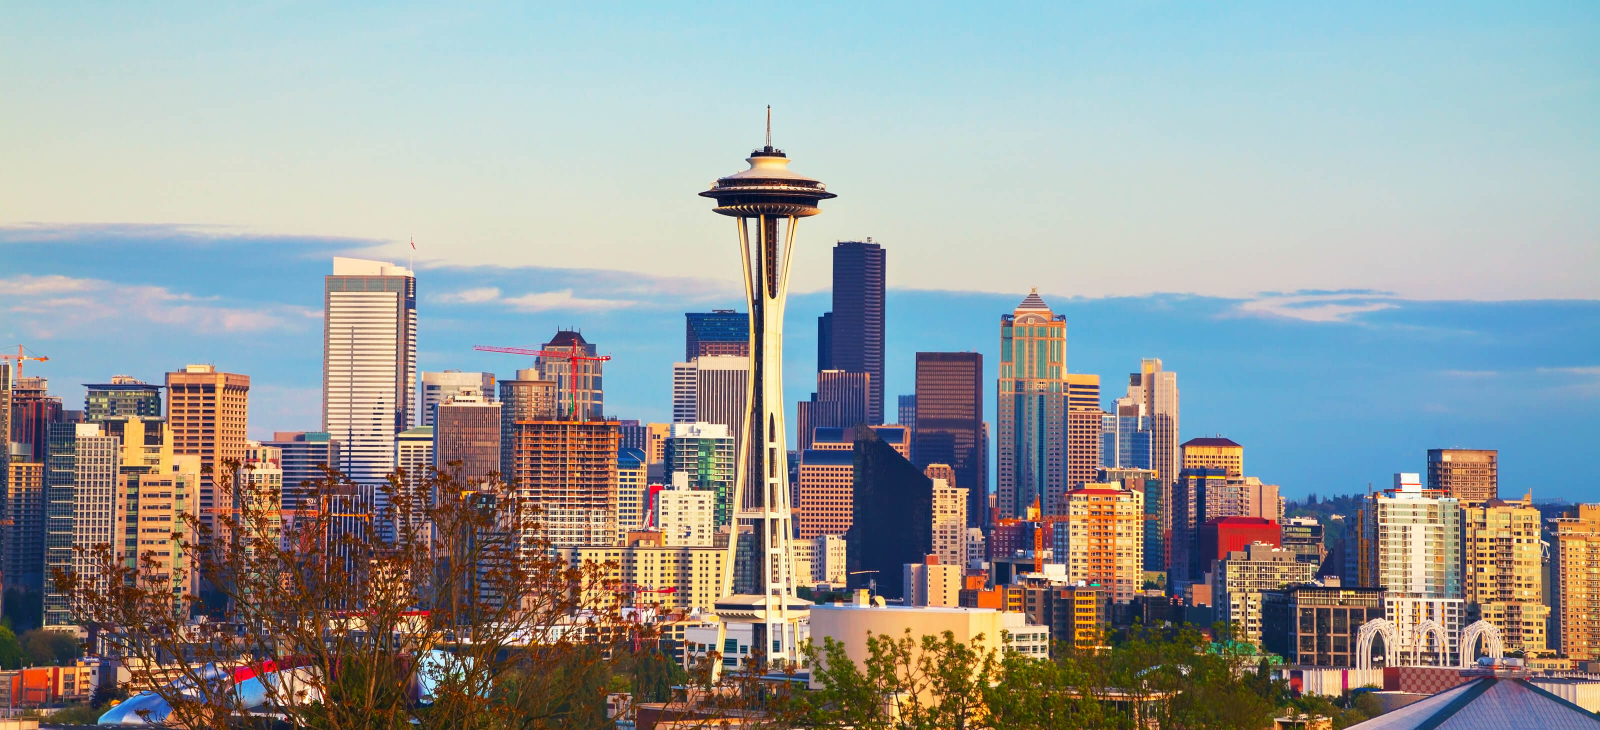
(22, 357)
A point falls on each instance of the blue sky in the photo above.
(1328, 391)
(1356, 230)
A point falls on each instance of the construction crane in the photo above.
(572, 357)
(20, 358)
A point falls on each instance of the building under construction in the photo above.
(568, 469)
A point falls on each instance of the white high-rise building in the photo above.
(1410, 545)
(369, 367)
(950, 524)
(95, 486)
(683, 391)
(439, 387)
(685, 516)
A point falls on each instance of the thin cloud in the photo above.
(1580, 370)
(1320, 307)
(92, 301)
(1470, 373)
(564, 300)
(478, 295)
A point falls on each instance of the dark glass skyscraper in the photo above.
(949, 423)
(718, 332)
(857, 322)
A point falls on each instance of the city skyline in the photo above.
(1450, 383)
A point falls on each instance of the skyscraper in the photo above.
(1157, 390)
(304, 454)
(1410, 542)
(414, 454)
(1032, 408)
(632, 490)
(524, 398)
(437, 387)
(842, 400)
(24, 540)
(123, 396)
(908, 412)
(704, 454)
(1470, 475)
(949, 424)
(467, 430)
(1101, 539)
(81, 481)
(369, 366)
(207, 411)
(568, 469)
(1081, 452)
(825, 341)
(718, 332)
(33, 410)
(949, 517)
(1501, 576)
(857, 323)
(1125, 436)
(1214, 453)
(578, 382)
(1575, 597)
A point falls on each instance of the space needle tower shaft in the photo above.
(766, 202)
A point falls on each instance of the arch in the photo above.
(1493, 645)
(1419, 639)
(1391, 644)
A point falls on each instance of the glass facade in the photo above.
(1032, 409)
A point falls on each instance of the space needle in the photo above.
(766, 202)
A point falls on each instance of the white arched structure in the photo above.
(1419, 640)
(1391, 643)
(1493, 646)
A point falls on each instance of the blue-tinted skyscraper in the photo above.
(717, 332)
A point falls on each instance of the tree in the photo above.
(464, 620)
(12, 655)
(50, 647)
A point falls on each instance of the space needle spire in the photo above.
(766, 202)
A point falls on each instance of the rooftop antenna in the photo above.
(769, 126)
(411, 260)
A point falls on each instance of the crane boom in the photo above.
(572, 357)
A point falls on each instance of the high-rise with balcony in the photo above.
(949, 518)
(207, 411)
(856, 336)
(1410, 544)
(1501, 576)
(1575, 597)
(369, 366)
(1469, 475)
(1032, 408)
(1101, 539)
(717, 332)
